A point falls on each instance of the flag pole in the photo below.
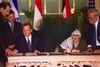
(30, 5)
(73, 3)
(73, 8)
(59, 6)
(45, 7)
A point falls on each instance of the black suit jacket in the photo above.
(10, 36)
(36, 44)
(2, 41)
(89, 36)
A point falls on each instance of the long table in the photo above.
(54, 60)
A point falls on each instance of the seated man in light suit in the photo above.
(74, 44)
(29, 42)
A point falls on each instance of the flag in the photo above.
(91, 3)
(66, 9)
(37, 14)
(14, 7)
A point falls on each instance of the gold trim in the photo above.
(21, 13)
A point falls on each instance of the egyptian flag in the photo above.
(14, 7)
(66, 9)
(37, 14)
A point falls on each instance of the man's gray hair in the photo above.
(95, 11)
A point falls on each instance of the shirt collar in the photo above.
(28, 37)
(10, 23)
(96, 23)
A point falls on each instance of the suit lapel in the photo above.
(9, 28)
(98, 31)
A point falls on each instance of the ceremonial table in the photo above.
(54, 60)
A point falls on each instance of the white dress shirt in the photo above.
(96, 25)
(30, 38)
(11, 24)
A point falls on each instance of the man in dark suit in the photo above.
(4, 10)
(13, 30)
(93, 30)
(29, 42)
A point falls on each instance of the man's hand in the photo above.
(36, 52)
(67, 51)
(75, 51)
(89, 50)
(11, 46)
(8, 52)
(15, 51)
(11, 52)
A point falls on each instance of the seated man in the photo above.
(29, 42)
(74, 44)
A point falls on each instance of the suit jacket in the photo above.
(10, 36)
(82, 45)
(2, 41)
(89, 36)
(36, 44)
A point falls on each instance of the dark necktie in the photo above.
(94, 35)
(29, 44)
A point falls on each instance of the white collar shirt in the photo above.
(30, 38)
(96, 25)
